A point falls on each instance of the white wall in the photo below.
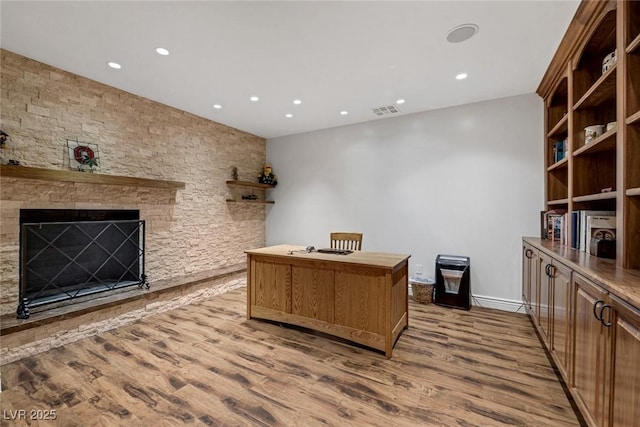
(465, 180)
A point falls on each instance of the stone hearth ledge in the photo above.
(54, 328)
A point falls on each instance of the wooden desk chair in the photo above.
(349, 241)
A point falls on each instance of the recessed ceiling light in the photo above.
(162, 51)
(297, 101)
(344, 113)
(254, 99)
(462, 76)
(114, 65)
(400, 101)
(288, 115)
(462, 32)
(217, 106)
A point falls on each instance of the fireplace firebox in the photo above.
(68, 254)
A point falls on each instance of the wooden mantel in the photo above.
(26, 172)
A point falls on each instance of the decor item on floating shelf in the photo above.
(83, 156)
(267, 176)
(234, 173)
(592, 132)
(250, 197)
(609, 61)
(3, 138)
(610, 126)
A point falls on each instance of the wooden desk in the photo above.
(361, 297)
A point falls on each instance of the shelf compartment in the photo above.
(560, 128)
(558, 202)
(267, 202)
(594, 197)
(633, 191)
(557, 183)
(634, 118)
(27, 172)
(634, 45)
(604, 89)
(561, 164)
(249, 184)
(605, 142)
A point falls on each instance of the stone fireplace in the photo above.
(194, 239)
(68, 254)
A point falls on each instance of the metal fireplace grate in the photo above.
(63, 261)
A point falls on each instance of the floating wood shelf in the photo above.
(26, 172)
(267, 202)
(249, 184)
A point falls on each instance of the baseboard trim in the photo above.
(503, 304)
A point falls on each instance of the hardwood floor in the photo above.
(205, 364)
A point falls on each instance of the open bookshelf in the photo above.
(602, 172)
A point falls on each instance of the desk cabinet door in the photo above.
(313, 293)
(271, 285)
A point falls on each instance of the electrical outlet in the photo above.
(419, 270)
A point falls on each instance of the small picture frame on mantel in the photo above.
(83, 156)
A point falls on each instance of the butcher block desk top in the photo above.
(369, 259)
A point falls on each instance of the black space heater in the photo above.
(452, 281)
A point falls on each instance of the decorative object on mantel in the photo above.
(3, 145)
(250, 197)
(83, 156)
(234, 173)
(267, 176)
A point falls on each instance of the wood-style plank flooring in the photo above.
(205, 364)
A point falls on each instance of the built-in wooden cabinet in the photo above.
(625, 378)
(602, 173)
(545, 306)
(530, 283)
(591, 351)
(560, 278)
(547, 296)
(590, 324)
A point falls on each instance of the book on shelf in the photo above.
(600, 227)
(584, 239)
(559, 150)
(553, 224)
(575, 230)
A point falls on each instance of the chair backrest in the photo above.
(349, 241)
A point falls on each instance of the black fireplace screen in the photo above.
(66, 260)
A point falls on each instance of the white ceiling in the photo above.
(334, 56)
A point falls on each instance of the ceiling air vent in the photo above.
(386, 110)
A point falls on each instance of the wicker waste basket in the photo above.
(422, 289)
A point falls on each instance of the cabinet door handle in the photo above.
(552, 271)
(595, 310)
(546, 269)
(528, 253)
(607, 323)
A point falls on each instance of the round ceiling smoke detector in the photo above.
(462, 32)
